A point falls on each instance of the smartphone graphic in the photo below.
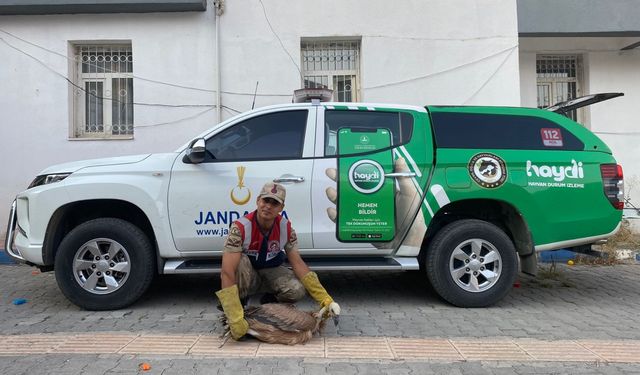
(366, 201)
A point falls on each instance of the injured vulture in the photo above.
(282, 323)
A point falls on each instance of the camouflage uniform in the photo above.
(279, 280)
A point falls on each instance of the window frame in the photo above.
(78, 94)
(321, 141)
(332, 75)
(440, 122)
(306, 142)
(553, 83)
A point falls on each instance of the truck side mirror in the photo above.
(195, 152)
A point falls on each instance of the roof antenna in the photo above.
(254, 95)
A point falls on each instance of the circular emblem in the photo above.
(274, 245)
(364, 139)
(488, 170)
(366, 176)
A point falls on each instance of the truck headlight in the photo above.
(47, 179)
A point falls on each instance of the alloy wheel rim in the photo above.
(475, 265)
(101, 266)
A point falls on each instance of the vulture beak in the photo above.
(334, 308)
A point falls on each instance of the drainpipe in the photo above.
(219, 9)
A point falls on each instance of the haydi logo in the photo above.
(366, 176)
(558, 173)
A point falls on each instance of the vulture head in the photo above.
(330, 311)
(283, 323)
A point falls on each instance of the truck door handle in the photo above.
(289, 178)
(400, 174)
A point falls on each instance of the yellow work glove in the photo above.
(230, 301)
(316, 290)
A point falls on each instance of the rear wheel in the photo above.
(471, 263)
(104, 264)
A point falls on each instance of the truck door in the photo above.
(274, 145)
(357, 141)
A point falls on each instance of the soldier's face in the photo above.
(268, 208)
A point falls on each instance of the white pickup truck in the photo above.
(460, 192)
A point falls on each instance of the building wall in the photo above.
(436, 52)
(618, 125)
(34, 101)
(606, 69)
(528, 92)
(574, 17)
(448, 52)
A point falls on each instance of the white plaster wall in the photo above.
(34, 100)
(528, 85)
(607, 69)
(413, 52)
(619, 124)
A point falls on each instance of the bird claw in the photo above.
(225, 338)
(226, 331)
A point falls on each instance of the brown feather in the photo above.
(283, 316)
(281, 323)
(272, 335)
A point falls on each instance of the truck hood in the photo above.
(75, 166)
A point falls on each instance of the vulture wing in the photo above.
(280, 323)
(282, 316)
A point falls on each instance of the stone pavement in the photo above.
(582, 319)
(365, 348)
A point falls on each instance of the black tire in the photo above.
(124, 276)
(460, 279)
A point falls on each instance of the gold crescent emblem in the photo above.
(240, 188)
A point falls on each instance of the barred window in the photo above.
(558, 80)
(104, 91)
(334, 65)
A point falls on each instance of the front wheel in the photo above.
(104, 264)
(471, 263)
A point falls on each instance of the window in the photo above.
(487, 131)
(332, 65)
(104, 91)
(558, 80)
(278, 135)
(399, 124)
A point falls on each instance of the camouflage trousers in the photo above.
(279, 281)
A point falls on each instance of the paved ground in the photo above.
(583, 319)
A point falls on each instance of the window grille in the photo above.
(334, 65)
(558, 79)
(104, 91)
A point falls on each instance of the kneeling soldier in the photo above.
(253, 257)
